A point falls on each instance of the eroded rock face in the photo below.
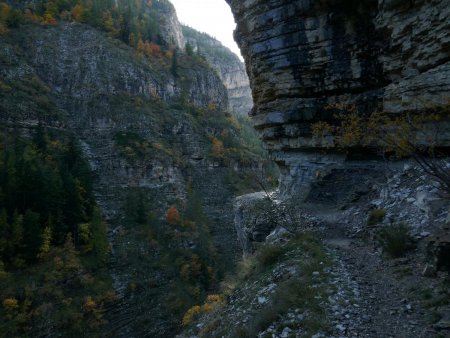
(170, 27)
(301, 56)
(236, 81)
(228, 66)
(251, 220)
(304, 56)
(111, 100)
(87, 66)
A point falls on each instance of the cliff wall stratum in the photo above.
(303, 57)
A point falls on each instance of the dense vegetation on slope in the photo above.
(136, 23)
(46, 190)
(52, 238)
(181, 234)
(180, 249)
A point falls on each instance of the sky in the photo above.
(209, 16)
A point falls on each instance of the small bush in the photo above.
(246, 267)
(242, 332)
(302, 290)
(173, 216)
(395, 240)
(297, 293)
(376, 216)
(212, 302)
(191, 314)
(10, 304)
(268, 255)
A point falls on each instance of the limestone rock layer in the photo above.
(305, 55)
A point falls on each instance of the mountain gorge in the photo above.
(137, 198)
(351, 101)
(228, 66)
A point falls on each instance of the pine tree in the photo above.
(135, 208)
(99, 237)
(40, 138)
(70, 256)
(124, 30)
(32, 235)
(3, 272)
(15, 240)
(46, 242)
(174, 66)
(85, 237)
(4, 226)
(17, 229)
(189, 49)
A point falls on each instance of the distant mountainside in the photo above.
(229, 67)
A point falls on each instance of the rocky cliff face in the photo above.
(144, 131)
(87, 66)
(171, 30)
(228, 66)
(305, 56)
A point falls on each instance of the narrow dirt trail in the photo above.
(371, 300)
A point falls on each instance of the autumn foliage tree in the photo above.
(218, 149)
(148, 48)
(136, 23)
(4, 14)
(173, 216)
(410, 135)
(9, 18)
(78, 13)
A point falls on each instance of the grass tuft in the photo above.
(395, 240)
(376, 216)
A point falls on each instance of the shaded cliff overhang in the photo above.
(303, 57)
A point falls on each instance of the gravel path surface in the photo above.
(371, 300)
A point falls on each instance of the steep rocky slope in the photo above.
(228, 66)
(166, 155)
(352, 278)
